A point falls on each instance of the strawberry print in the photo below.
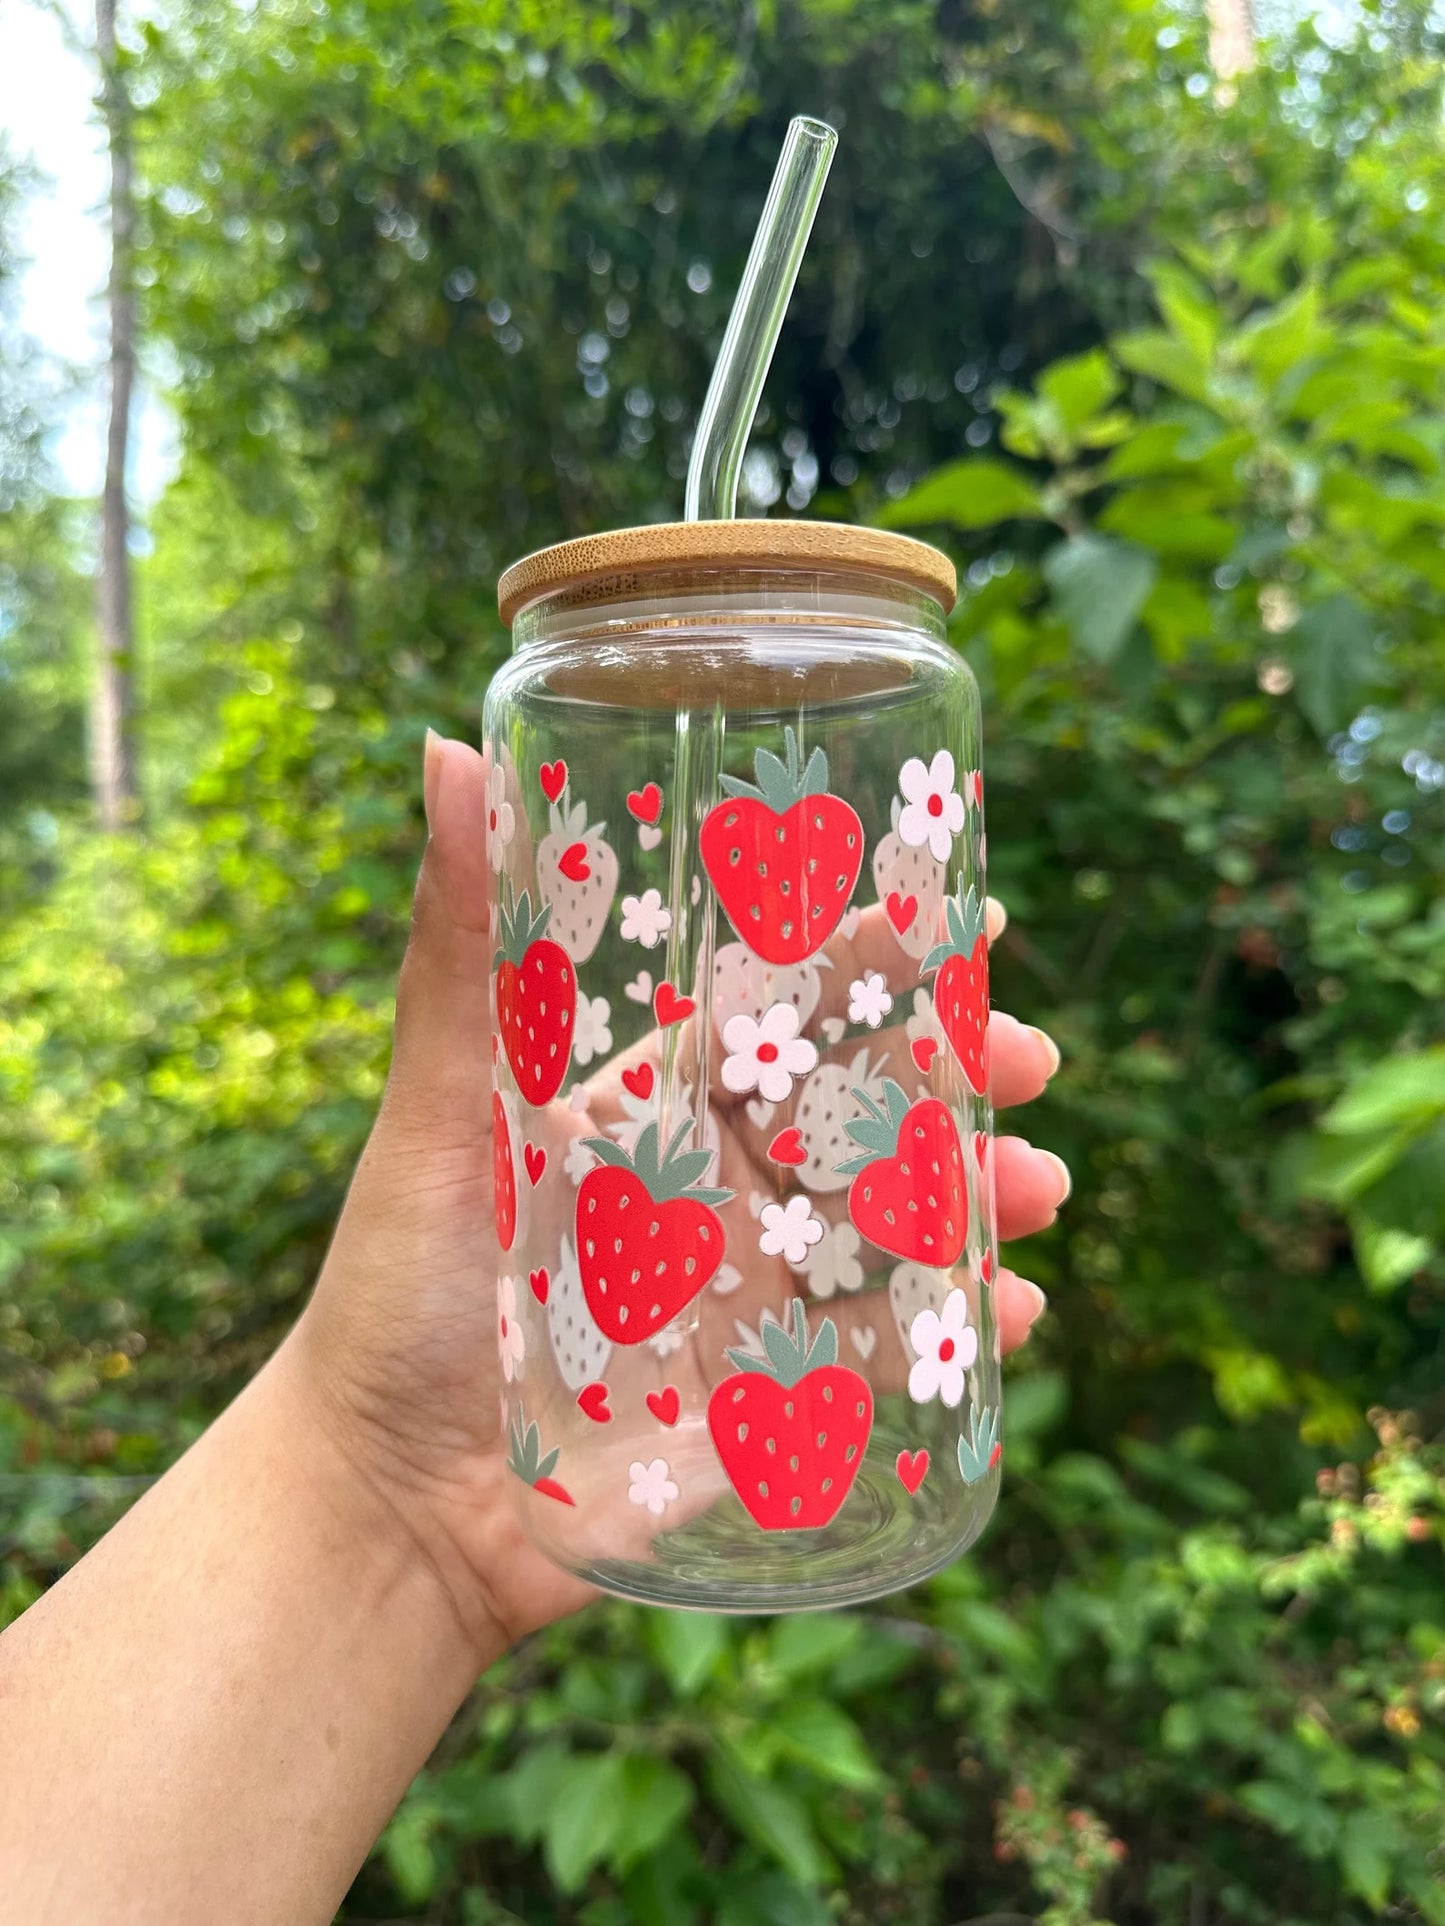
(823, 1112)
(579, 1347)
(525, 1458)
(536, 1001)
(960, 989)
(909, 1193)
(981, 1450)
(909, 874)
(504, 1174)
(576, 876)
(783, 855)
(791, 1427)
(648, 1235)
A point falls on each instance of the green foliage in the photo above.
(1197, 1669)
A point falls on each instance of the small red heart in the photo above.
(973, 787)
(592, 1403)
(923, 1051)
(665, 1405)
(787, 1147)
(536, 1161)
(668, 1007)
(553, 777)
(980, 1147)
(901, 910)
(995, 1454)
(541, 1284)
(912, 1469)
(573, 863)
(639, 1080)
(645, 804)
(985, 1269)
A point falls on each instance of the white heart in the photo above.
(848, 928)
(759, 1112)
(834, 1029)
(577, 1097)
(639, 990)
(864, 1338)
(727, 1279)
(649, 835)
(696, 888)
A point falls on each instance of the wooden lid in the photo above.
(618, 562)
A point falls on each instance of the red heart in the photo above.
(536, 1160)
(645, 804)
(639, 1080)
(901, 910)
(923, 1051)
(985, 1269)
(573, 863)
(912, 1469)
(787, 1147)
(665, 1405)
(592, 1403)
(973, 787)
(541, 1284)
(553, 777)
(668, 1007)
(980, 1147)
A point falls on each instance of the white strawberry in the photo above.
(826, 1105)
(580, 1348)
(911, 872)
(579, 903)
(913, 1288)
(744, 982)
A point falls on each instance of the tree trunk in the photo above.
(1231, 37)
(113, 703)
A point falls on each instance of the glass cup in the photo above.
(742, 1136)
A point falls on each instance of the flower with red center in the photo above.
(945, 1345)
(933, 811)
(766, 1054)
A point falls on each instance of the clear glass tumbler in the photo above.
(743, 1144)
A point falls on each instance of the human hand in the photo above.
(400, 1338)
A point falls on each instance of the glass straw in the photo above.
(753, 327)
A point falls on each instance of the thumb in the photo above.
(441, 1068)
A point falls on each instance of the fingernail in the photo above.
(1066, 1181)
(1038, 1303)
(995, 917)
(1047, 1041)
(431, 775)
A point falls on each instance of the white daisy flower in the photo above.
(652, 1485)
(946, 1345)
(834, 1264)
(645, 919)
(933, 810)
(511, 1345)
(768, 1054)
(501, 817)
(868, 999)
(591, 1036)
(788, 1230)
(579, 1160)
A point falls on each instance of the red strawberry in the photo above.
(960, 990)
(648, 1238)
(504, 1174)
(783, 855)
(536, 1001)
(530, 1466)
(909, 1194)
(791, 1428)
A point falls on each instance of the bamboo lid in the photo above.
(617, 563)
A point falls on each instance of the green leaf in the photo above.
(1334, 661)
(1034, 1404)
(1367, 1846)
(825, 1739)
(969, 494)
(406, 1847)
(1164, 358)
(807, 1644)
(1387, 1255)
(1099, 587)
(1401, 1090)
(688, 1646)
(1079, 387)
(583, 1817)
(656, 1797)
(1277, 340)
(771, 1815)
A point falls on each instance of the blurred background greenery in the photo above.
(1148, 331)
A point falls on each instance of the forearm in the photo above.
(213, 1715)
